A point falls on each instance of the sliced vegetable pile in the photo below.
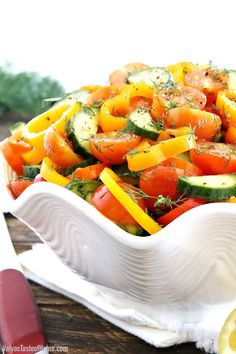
(142, 150)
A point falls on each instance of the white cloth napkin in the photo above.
(159, 325)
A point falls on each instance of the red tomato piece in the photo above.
(206, 125)
(189, 168)
(209, 81)
(19, 146)
(111, 148)
(168, 98)
(214, 158)
(160, 180)
(14, 159)
(58, 150)
(180, 209)
(109, 206)
(17, 186)
(213, 109)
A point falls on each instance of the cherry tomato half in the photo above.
(17, 186)
(109, 206)
(214, 158)
(180, 209)
(209, 81)
(189, 168)
(205, 124)
(111, 147)
(160, 180)
(58, 150)
(168, 98)
(14, 158)
(19, 146)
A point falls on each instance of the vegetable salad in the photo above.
(151, 145)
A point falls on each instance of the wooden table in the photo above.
(67, 323)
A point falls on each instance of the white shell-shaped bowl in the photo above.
(192, 260)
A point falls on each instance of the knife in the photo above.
(20, 325)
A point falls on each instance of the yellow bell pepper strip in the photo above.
(49, 173)
(148, 157)
(231, 200)
(90, 88)
(34, 131)
(113, 175)
(139, 89)
(143, 219)
(111, 112)
(33, 157)
(226, 104)
(60, 124)
(59, 117)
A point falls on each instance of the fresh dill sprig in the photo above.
(160, 201)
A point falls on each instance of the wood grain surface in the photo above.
(67, 323)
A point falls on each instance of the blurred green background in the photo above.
(22, 95)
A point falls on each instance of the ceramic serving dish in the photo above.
(192, 260)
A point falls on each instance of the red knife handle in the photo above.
(20, 324)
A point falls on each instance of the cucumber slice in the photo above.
(123, 171)
(83, 188)
(81, 127)
(130, 177)
(155, 77)
(219, 138)
(215, 187)
(80, 96)
(140, 123)
(69, 170)
(31, 171)
(17, 127)
(133, 229)
(183, 156)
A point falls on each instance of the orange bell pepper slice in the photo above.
(113, 110)
(91, 172)
(153, 155)
(103, 93)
